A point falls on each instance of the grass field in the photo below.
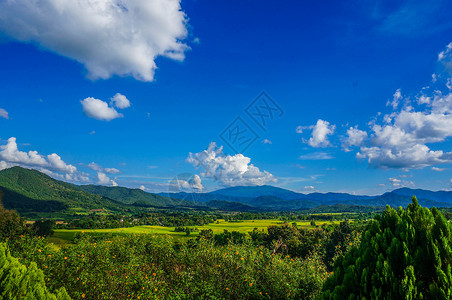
(65, 236)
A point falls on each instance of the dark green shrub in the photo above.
(20, 282)
(404, 254)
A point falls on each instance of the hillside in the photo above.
(28, 190)
(134, 196)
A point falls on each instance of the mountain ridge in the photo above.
(29, 190)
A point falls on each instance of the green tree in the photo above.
(11, 224)
(20, 282)
(404, 254)
(43, 228)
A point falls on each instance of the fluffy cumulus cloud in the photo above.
(186, 182)
(109, 37)
(4, 114)
(395, 99)
(103, 179)
(101, 110)
(354, 137)
(120, 101)
(410, 136)
(229, 170)
(196, 183)
(309, 188)
(402, 141)
(445, 57)
(397, 183)
(51, 164)
(320, 132)
(98, 168)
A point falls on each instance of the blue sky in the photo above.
(329, 66)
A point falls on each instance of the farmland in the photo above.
(65, 236)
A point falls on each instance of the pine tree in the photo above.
(404, 254)
(20, 282)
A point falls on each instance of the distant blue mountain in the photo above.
(270, 197)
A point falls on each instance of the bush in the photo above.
(147, 267)
(404, 254)
(20, 282)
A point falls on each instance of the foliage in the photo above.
(11, 224)
(20, 282)
(43, 228)
(340, 241)
(148, 267)
(404, 254)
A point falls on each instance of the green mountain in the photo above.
(134, 196)
(28, 190)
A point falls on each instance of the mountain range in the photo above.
(270, 197)
(30, 191)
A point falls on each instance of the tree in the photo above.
(404, 254)
(11, 224)
(341, 239)
(20, 282)
(43, 228)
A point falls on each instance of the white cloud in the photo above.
(404, 138)
(98, 109)
(186, 182)
(103, 179)
(51, 164)
(108, 37)
(229, 170)
(445, 57)
(424, 100)
(320, 132)
(309, 188)
(5, 165)
(266, 141)
(120, 101)
(4, 114)
(195, 183)
(445, 53)
(142, 187)
(300, 129)
(397, 183)
(98, 168)
(355, 137)
(57, 163)
(402, 143)
(438, 169)
(316, 156)
(395, 100)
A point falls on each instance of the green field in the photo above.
(65, 236)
